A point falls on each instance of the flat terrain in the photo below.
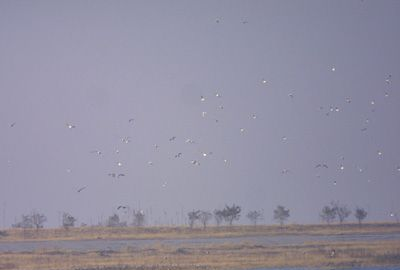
(236, 247)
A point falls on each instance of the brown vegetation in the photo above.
(228, 255)
(87, 233)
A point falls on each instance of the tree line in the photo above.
(228, 215)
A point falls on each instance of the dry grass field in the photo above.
(88, 233)
(227, 255)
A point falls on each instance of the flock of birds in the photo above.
(203, 99)
(196, 162)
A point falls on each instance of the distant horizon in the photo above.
(243, 220)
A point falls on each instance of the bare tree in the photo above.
(68, 221)
(254, 216)
(25, 223)
(38, 220)
(139, 218)
(342, 211)
(114, 221)
(328, 214)
(193, 216)
(360, 214)
(231, 213)
(218, 216)
(281, 214)
(205, 217)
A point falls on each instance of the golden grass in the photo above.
(210, 256)
(228, 255)
(89, 233)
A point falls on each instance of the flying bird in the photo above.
(112, 175)
(70, 126)
(195, 162)
(82, 188)
(131, 120)
(122, 206)
(96, 151)
(120, 175)
(126, 139)
(13, 124)
(321, 166)
(178, 155)
(172, 138)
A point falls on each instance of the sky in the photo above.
(252, 94)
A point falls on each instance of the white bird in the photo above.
(333, 253)
(388, 78)
(70, 125)
(126, 139)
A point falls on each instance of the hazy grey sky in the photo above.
(97, 64)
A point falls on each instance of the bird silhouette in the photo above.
(82, 188)
(321, 166)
